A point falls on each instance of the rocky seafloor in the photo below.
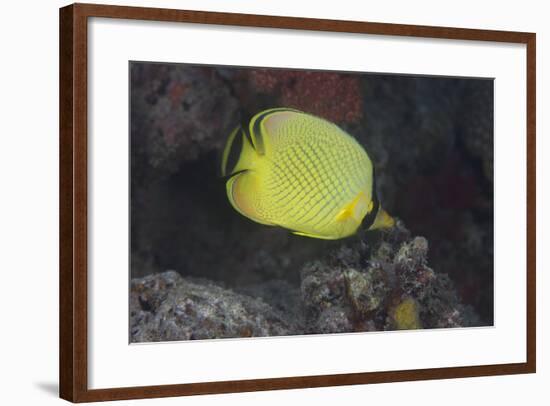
(200, 270)
(364, 285)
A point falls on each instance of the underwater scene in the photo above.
(276, 202)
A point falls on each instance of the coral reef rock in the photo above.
(334, 96)
(383, 284)
(176, 116)
(168, 307)
(375, 281)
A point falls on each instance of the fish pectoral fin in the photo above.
(345, 213)
(356, 209)
(321, 237)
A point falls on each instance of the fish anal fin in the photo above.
(310, 235)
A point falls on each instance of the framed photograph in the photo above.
(254, 202)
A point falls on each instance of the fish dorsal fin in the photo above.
(257, 126)
(273, 122)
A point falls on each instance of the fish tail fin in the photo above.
(238, 153)
(241, 191)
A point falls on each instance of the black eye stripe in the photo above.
(370, 217)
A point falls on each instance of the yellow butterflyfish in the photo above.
(294, 170)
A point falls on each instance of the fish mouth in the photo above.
(382, 220)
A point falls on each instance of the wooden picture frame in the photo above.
(74, 201)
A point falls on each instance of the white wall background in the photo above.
(29, 193)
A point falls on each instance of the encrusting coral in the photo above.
(405, 315)
(167, 307)
(377, 281)
(333, 96)
(382, 284)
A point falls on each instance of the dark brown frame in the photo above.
(73, 201)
